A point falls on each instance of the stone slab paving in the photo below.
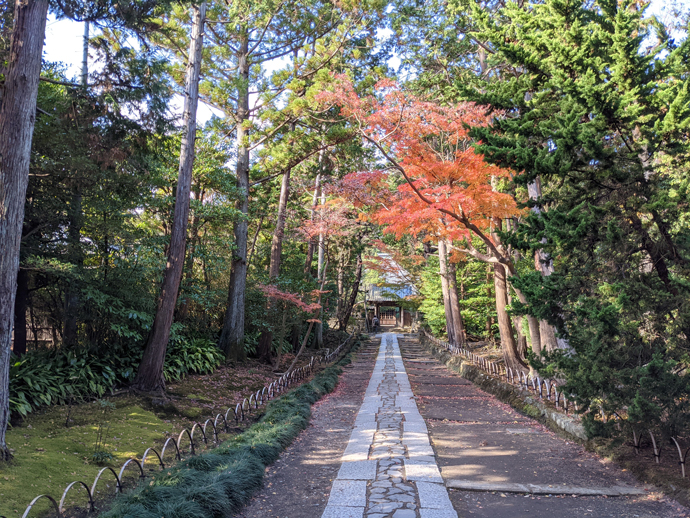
(298, 485)
(349, 456)
(388, 468)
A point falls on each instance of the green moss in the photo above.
(48, 455)
(189, 412)
(531, 410)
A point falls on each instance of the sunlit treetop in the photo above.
(450, 189)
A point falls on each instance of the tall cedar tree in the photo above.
(245, 36)
(602, 117)
(17, 119)
(150, 374)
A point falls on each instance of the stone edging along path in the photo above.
(517, 398)
(222, 480)
(388, 468)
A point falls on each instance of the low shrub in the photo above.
(62, 375)
(198, 356)
(220, 482)
(57, 377)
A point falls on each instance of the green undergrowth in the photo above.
(218, 483)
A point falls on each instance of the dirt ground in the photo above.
(298, 484)
(475, 437)
(478, 438)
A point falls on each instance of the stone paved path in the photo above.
(367, 447)
(389, 469)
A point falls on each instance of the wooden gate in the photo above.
(388, 317)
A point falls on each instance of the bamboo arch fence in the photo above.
(209, 430)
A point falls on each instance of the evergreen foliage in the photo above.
(593, 101)
(475, 298)
(573, 180)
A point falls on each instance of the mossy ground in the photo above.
(217, 483)
(48, 454)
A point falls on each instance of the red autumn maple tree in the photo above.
(449, 192)
(273, 292)
(449, 187)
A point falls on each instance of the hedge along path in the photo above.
(219, 482)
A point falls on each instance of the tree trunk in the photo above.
(445, 289)
(256, 236)
(297, 327)
(517, 325)
(549, 342)
(296, 331)
(17, 118)
(489, 295)
(535, 330)
(188, 271)
(505, 326)
(521, 338)
(150, 373)
(534, 334)
(533, 323)
(106, 249)
(20, 313)
(266, 339)
(318, 332)
(340, 283)
(232, 338)
(458, 324)
(312, 217)
(76, 217)
(85, 56)
(345, 318)
(279, 353)
(34, 329)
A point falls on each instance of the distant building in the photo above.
(385, 300)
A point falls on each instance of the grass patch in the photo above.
(218, 483)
